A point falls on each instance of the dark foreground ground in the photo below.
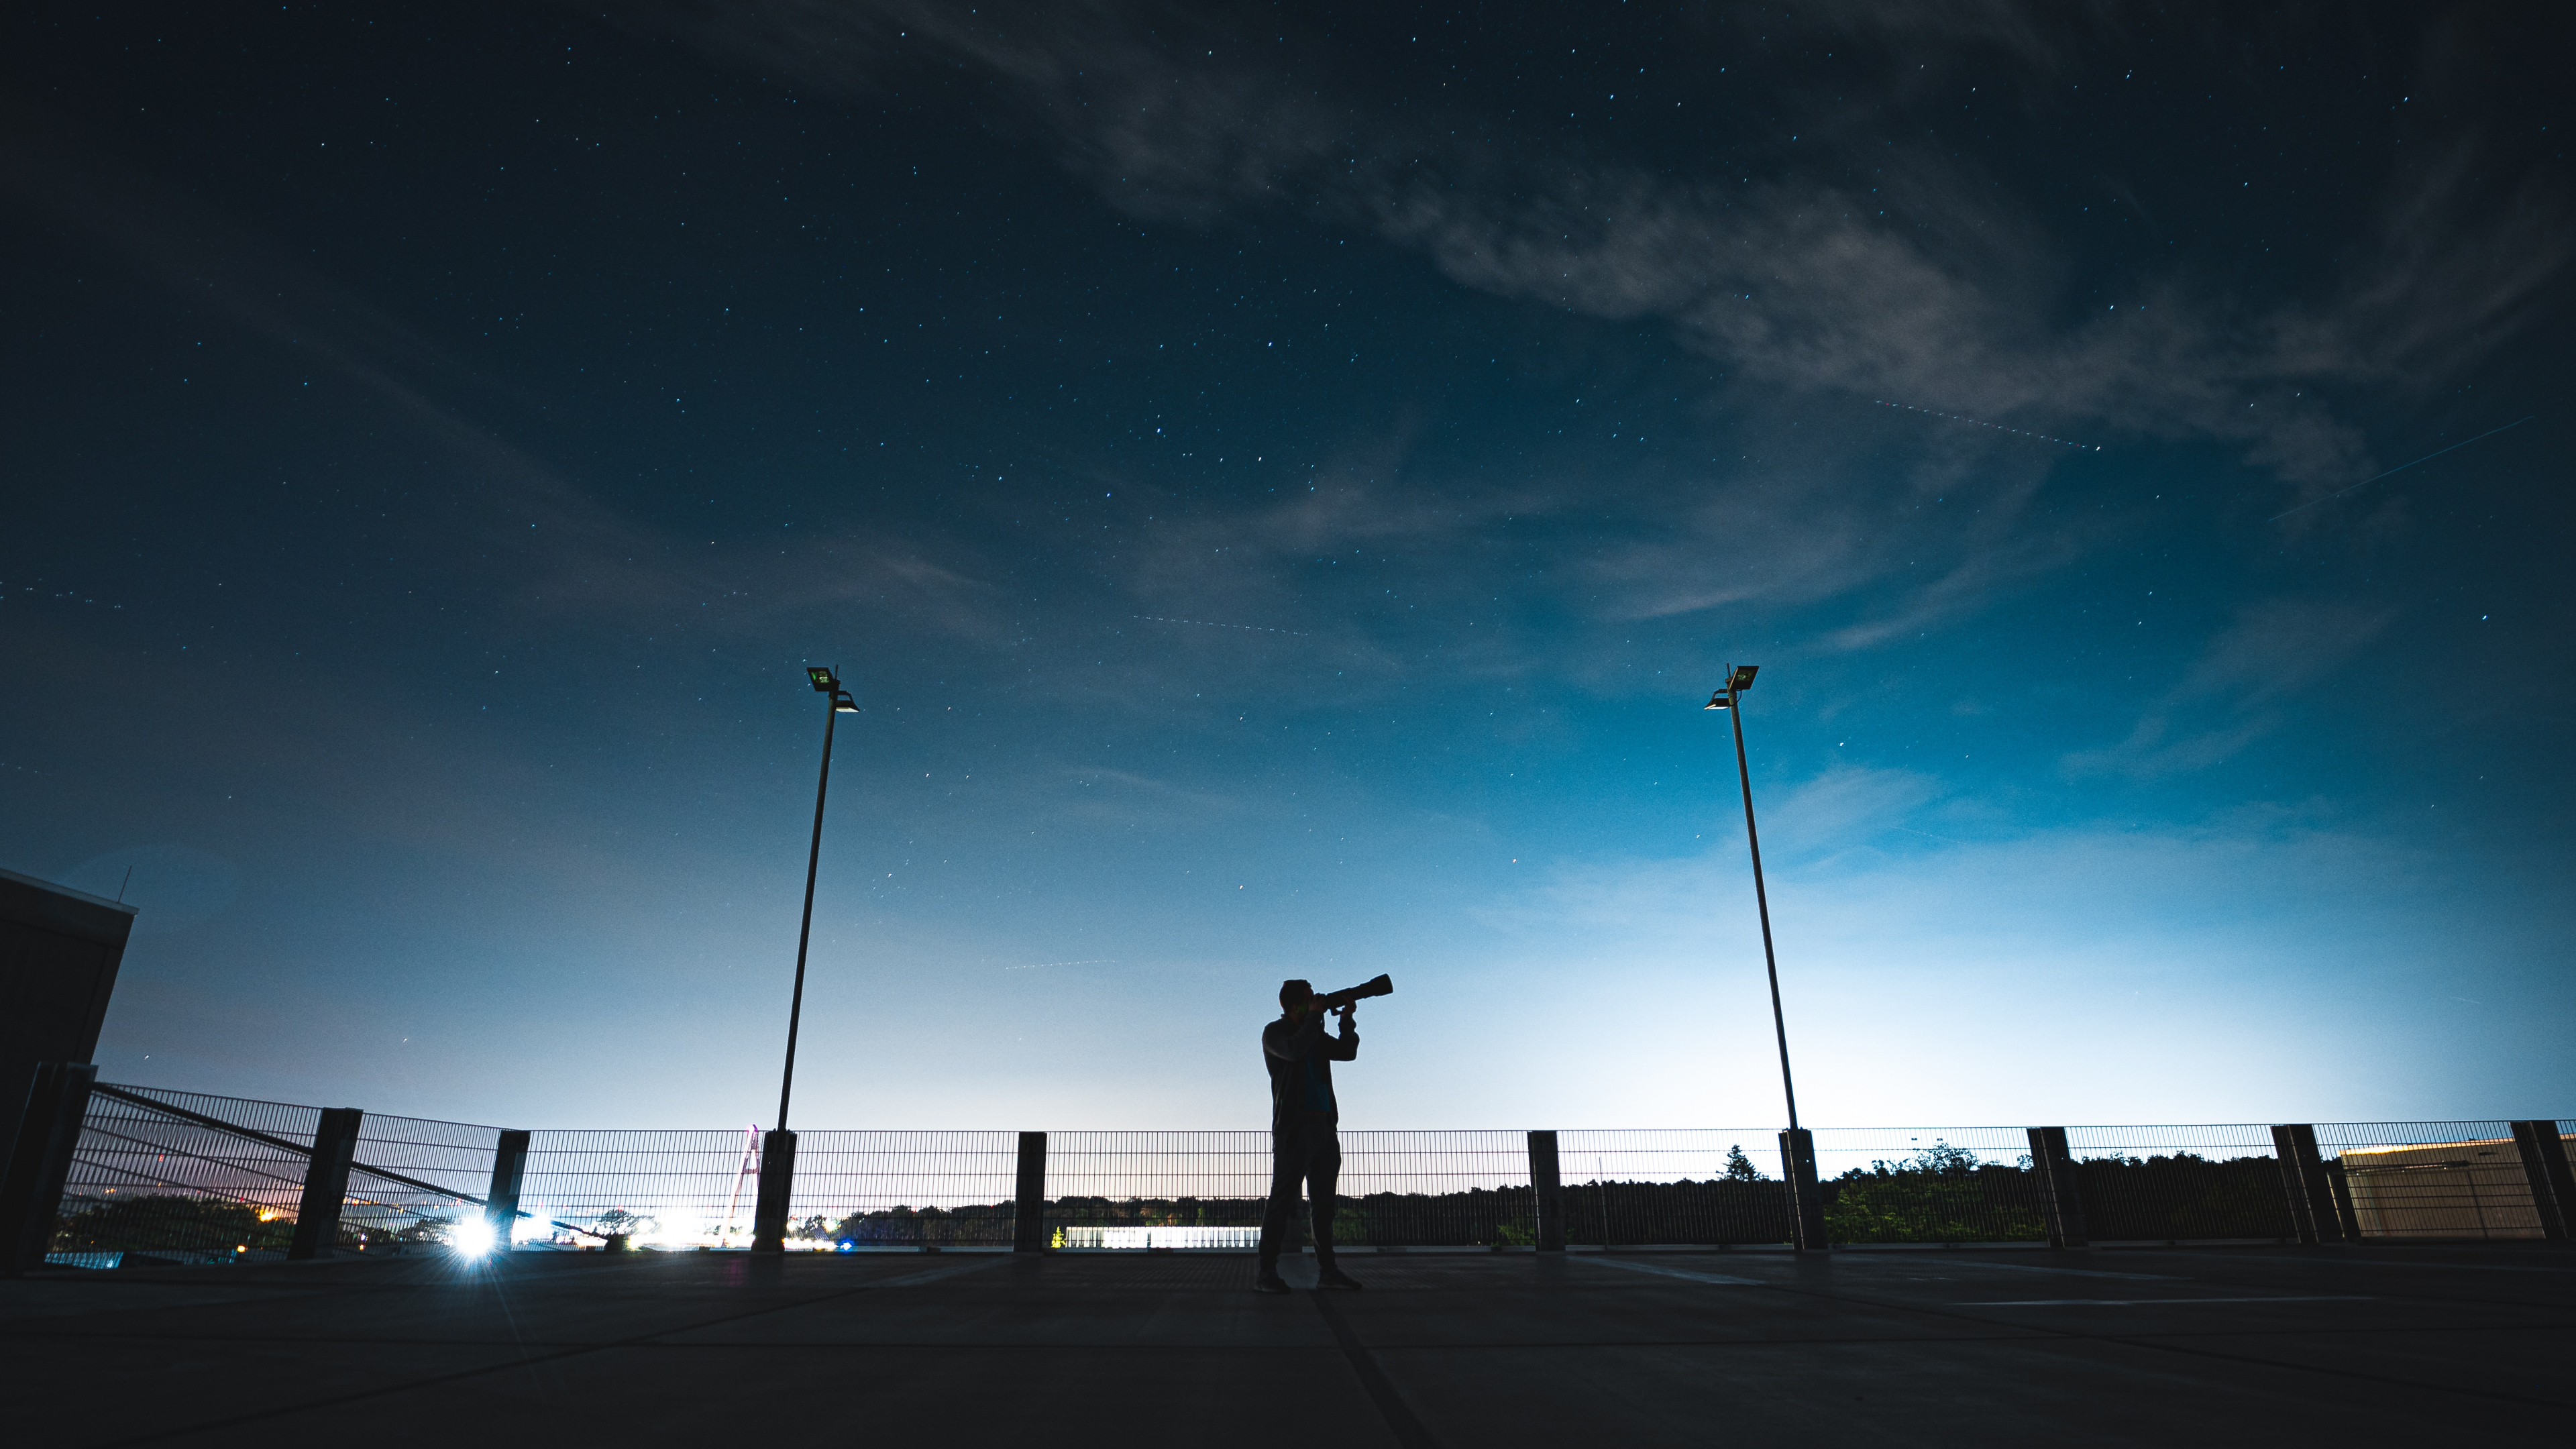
(2217, 1346)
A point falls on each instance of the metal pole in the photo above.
(778, 1146)
(1761, 901)
(805, 931)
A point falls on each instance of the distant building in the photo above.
(2442, 1190)
(1155, 1237)
(59, 950)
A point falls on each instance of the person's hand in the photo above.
(1348, 1010)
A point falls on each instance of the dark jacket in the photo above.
(1300, 1056)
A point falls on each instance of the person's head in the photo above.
(1295, 997)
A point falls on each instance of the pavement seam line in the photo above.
(1399, 1416)
(1682, 1273)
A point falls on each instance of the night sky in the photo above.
(1282, 486)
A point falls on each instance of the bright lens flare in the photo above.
(472, 1238)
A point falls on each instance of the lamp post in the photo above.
(778, 1145)
(1797, 1146)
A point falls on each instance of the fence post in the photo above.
(2303, 1182)
(2544, 1166)
(1028, 1204)
(1806, 1204)
(40, 1161)
(2058, 1177)
(777, 1185)
(1547, 1192)
(326, 1184)
(1804, 1200)
(2345, 1213)
(501, 1204)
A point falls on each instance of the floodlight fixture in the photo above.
(825, 681)
(472, 1237)
(1739, 678)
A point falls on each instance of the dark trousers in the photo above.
(1309, 1153)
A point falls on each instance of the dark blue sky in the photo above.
(1282, 486)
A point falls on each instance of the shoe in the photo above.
(1269, 1283)
(1336, 1278)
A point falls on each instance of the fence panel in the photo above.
(1103, 1185)
(453, 1158)
(897, 1189)
(2175, 1182)
(1432, 1189)
(673, 1188)
(1682, 1185)
(2433, 1179)
(1929, 1185)
(151, 1182)
(157, 1187)
(697, 1189)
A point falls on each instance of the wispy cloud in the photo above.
(1934, 286)
(2239, 689)
(1930, 282)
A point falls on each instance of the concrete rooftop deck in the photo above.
(2162, 1347)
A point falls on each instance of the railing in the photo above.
(696, 1188)
(411, 1172)
(147, 1179)
(2437, 1179)
(170, 1176)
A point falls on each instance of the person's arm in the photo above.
(1346, 1047)
(1291, 1043)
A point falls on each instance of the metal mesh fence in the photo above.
(153, 1184)
(1115, 1189)
(1929, 1185)
(454, 1159)
(1627, 1187)
(2432, 1179)
(650, 1188)
(2172, 1183)
(169, 1176)
(1209, 1189)
(1429, 1189)
(897, 1189)
(186, 1177)
(693, 1189)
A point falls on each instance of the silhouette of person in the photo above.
(1305, 1129)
